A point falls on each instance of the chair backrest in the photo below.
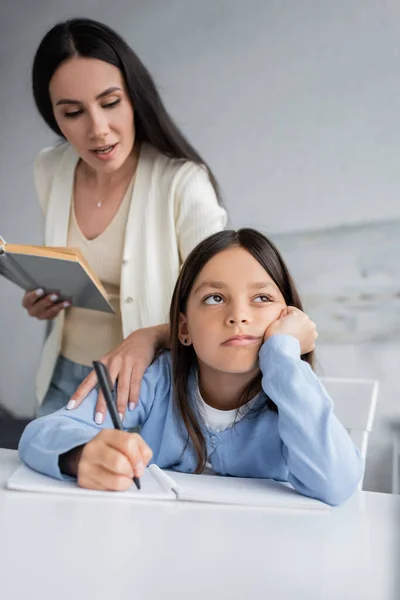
(354, 405)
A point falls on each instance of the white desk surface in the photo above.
(73, 548)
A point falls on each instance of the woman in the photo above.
(129, 191)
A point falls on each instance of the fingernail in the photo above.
(53, 297)
(71, 404)
(131, 406)
(121, 416)
(66, 304)
(98, 418)
(39, 292)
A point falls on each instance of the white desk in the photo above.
(67, 548)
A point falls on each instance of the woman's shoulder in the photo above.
(50, 156)
(181, 170)
(45, 167)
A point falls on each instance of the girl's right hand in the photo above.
(43, 306)
(292, 321)
(111, 459)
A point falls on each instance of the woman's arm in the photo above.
(322, 460)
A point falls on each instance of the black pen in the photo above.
(103, 377)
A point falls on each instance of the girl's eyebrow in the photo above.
(101, 95)
(219, 285)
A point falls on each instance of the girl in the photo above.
(234, 394)
(129, 191)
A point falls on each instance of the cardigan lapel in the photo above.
(57, 219)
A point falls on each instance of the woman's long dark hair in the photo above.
(90, 39)
(184, 357)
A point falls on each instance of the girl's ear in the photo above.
(183, 332)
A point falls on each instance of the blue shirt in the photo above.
(304, 443)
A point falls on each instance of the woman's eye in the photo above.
(263, 298)
(111, 104)
(214, 299)
(71, 115)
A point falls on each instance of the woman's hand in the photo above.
(43, 306)
(293, 321)
(109, 461)
(127, 363)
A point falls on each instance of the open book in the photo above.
(157, 484)
(61, 270)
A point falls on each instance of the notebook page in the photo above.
(27, 480)
(241, 491)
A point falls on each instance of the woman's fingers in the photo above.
(43, 307)
(123, 386)
(30, 298)
(84, 389)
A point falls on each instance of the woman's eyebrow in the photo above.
(98, 97)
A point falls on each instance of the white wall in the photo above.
(294, 104)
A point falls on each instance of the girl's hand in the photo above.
(127, 362)
(111, 459)
(43, 306)
(293, 321)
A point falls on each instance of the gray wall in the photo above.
(294, 104)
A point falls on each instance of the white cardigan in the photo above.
(173, 208)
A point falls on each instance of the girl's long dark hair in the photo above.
(184, 357)
(91, 39)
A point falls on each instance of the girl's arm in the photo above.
(46, 439)
(322, 460)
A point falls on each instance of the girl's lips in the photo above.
(241, 340)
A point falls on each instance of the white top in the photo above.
(78, 547)
(173, 207)
(219, 420)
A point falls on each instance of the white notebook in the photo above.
(157, 484)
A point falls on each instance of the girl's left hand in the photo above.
(293, 321)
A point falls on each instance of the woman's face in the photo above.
(94, 112)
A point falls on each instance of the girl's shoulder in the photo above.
(157, 380)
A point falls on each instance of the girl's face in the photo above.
(232, 303)
(94, 112)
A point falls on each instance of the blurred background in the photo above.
(295, 105)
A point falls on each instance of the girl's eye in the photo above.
(263, 298)
(214, 299)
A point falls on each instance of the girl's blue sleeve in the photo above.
(46, 438)
(322, 460)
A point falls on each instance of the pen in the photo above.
(103, 377)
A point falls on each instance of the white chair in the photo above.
(355, 403)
